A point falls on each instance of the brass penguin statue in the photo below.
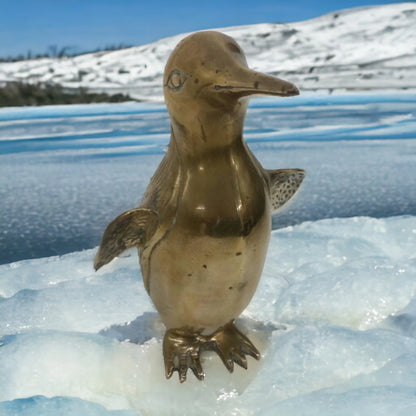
(203, 227)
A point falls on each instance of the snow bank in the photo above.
(334, 318)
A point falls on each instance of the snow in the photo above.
(366, 48)
(334, 317)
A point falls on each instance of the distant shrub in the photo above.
(16, 94)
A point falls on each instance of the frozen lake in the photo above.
(66, 171)
(334, 316)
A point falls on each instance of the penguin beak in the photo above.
(247, 82)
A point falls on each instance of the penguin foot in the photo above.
(181, 350)
(232, 346)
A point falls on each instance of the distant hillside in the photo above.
(367, 48)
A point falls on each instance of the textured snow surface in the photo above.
(362, 48)
(334, 318)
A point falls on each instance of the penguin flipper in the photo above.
(284, 184)
(131, 228)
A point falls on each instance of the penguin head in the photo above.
(208, 72)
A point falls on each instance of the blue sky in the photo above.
(83, 25)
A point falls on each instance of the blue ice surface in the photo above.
(66, 171)
(54, 406)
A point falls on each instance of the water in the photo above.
(66, 171)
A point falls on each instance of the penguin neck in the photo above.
(207, 133)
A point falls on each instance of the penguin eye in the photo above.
(176, 80)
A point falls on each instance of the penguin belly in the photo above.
(204, 282)
(205, 268)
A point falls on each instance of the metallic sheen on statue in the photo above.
(203, 227)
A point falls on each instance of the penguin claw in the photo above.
(181, 350)
(240, 359)
(232, 346)
(196, 367)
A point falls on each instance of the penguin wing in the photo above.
(284, 184)
(131, 228)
